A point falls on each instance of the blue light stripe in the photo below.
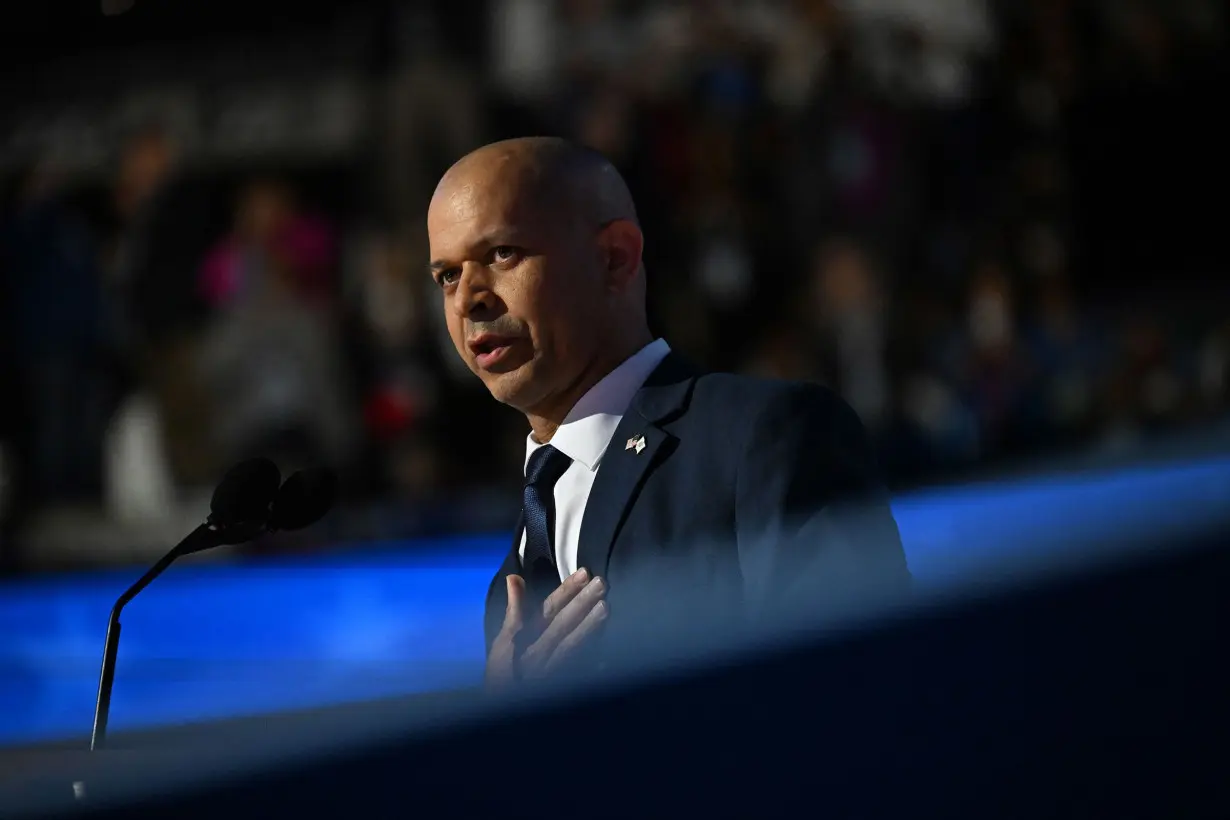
(211, 641)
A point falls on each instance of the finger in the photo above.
(513, 618)
(501, 668)
(588, 626)
(564, 593)
(501, 661)
(569, 618)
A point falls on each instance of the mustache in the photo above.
(503, 326)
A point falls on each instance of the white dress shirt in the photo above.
(583, 437)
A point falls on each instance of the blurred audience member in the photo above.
(271, 356)
(56, 334)
(1064, 346)
(399, 385)
(162, 225)
(162, 230)
(851, 329)
(273, 246)
(1146, 393)
(988, 364)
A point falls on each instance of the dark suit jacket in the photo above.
(750, 496)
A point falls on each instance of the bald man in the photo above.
(653, 490)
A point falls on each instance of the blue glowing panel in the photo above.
(211, 641)
(953, 534)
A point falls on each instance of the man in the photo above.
(649, 485)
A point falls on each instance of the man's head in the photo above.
(537, 252)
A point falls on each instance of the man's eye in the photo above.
(448, 277)
(504, 253)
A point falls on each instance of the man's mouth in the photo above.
(488, 350)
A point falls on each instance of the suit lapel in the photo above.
(615, 488)
(639, 445)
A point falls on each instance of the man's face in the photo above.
(522, 286)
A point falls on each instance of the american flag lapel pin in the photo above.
(636, 443)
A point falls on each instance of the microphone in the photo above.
(303, 500)
(239, 512)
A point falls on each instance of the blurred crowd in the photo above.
(973, 220)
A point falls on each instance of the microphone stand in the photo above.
(206, 536)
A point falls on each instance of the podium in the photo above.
(65, 775)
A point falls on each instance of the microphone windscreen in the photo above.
(303, 500)
(245, 493)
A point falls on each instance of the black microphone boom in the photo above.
(239, 511)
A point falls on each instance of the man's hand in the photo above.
(569, 616)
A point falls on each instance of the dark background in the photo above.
(994, 227)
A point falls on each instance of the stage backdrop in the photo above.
(212, 640)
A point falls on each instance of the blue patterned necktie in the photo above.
(544, 468)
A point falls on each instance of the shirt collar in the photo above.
(588, 427)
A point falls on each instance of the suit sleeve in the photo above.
(814, 526)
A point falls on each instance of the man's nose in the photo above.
(473, 298)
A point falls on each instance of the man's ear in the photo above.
(621, 243)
